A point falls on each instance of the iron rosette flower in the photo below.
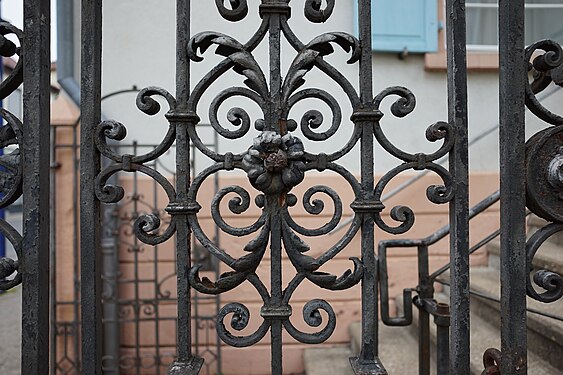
(274, 164)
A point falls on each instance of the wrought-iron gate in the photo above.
(275, 163)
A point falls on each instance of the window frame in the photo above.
(494, 48)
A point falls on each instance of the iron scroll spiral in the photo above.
(275, 163)
(11, 169)
(544, 167)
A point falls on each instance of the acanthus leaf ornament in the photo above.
(244, 62)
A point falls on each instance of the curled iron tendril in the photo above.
(316, 207)
(236, 116)
(11, 172)
(315, 13)
(239, 321)
(146, 228)
(116, 131)
(312, 316)
(313, 119)
(491, 362)
(10, 266)
(545, 68)
(9, 49)
(438, 194)
(550, 281)
(237, 205)
(238, 11)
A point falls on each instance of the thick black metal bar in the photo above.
(459, 167)
(36, 163)
(513, 75)
(367, 361)
(90, 220)
(186, 363)
(276, 279)
(273, 203)
(217, 266)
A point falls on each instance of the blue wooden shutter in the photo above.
(400, 24)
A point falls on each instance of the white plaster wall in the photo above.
(139, 48)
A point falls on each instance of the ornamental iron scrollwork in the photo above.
(544, 162)
(11, 169)
(275, 163)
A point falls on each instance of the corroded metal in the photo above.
(544, 162)
(11, 173)
(544, 187)
(491, 362)
(275, 163)
(513, 267)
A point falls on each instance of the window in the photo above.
(399, 25)
(543, 20)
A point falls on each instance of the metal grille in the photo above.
(134, 321)
(276, 163)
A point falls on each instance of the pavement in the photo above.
(10, 332)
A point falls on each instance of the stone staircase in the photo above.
(399, 347)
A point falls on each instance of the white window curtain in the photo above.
(545, 22)
(482, 23)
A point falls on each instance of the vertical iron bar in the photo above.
(137, 303)
(273, 202)
(513, 77)
(276, 280)
(459, 206)
(215, 262)
(156, 298)
(364, 117)
(35, 161)
(90, 221)
(425, 292)
(186, 362)
(369, 292)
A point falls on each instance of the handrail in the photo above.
(473, 249)
(494, 299)
(445, 230)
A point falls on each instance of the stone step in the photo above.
(398, 350)
(548, 257)
(483, 336)
(321, 361)
(545, 335)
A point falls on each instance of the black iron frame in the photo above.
(275, 163)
